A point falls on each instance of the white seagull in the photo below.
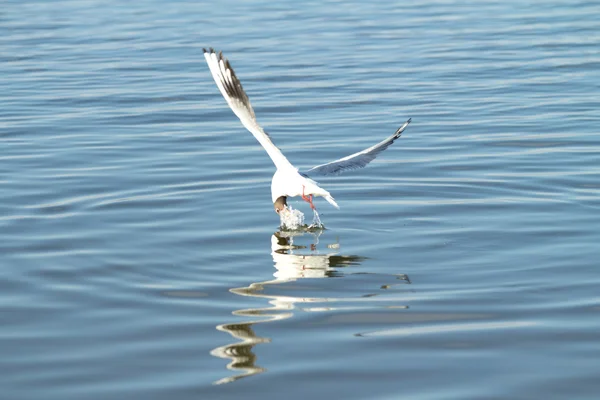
(287, 181)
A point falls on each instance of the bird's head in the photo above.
(280, 204)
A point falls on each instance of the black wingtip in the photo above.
(402, 128)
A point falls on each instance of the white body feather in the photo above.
(291, 183)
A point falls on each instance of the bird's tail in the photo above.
(315, 189)
(331, 201)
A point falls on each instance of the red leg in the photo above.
(304, 197)
(311, 203)
(308, 199)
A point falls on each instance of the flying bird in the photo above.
(288, 181)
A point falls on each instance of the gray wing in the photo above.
(356, 160)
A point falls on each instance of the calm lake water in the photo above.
(140, 254)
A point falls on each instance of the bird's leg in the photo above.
(311, 203)
(304, 197)
(308, 199)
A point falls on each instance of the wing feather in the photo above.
(356, 160)
(231, 88)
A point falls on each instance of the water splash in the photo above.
(292, 219)
(316, 221)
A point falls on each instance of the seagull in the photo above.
(288, 181)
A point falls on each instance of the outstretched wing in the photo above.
(356, 160)
(238, 101)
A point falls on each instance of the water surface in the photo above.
(140, 254)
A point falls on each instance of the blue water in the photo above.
(139, 251)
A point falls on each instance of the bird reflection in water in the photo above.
(293, 259)
(292, 262)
